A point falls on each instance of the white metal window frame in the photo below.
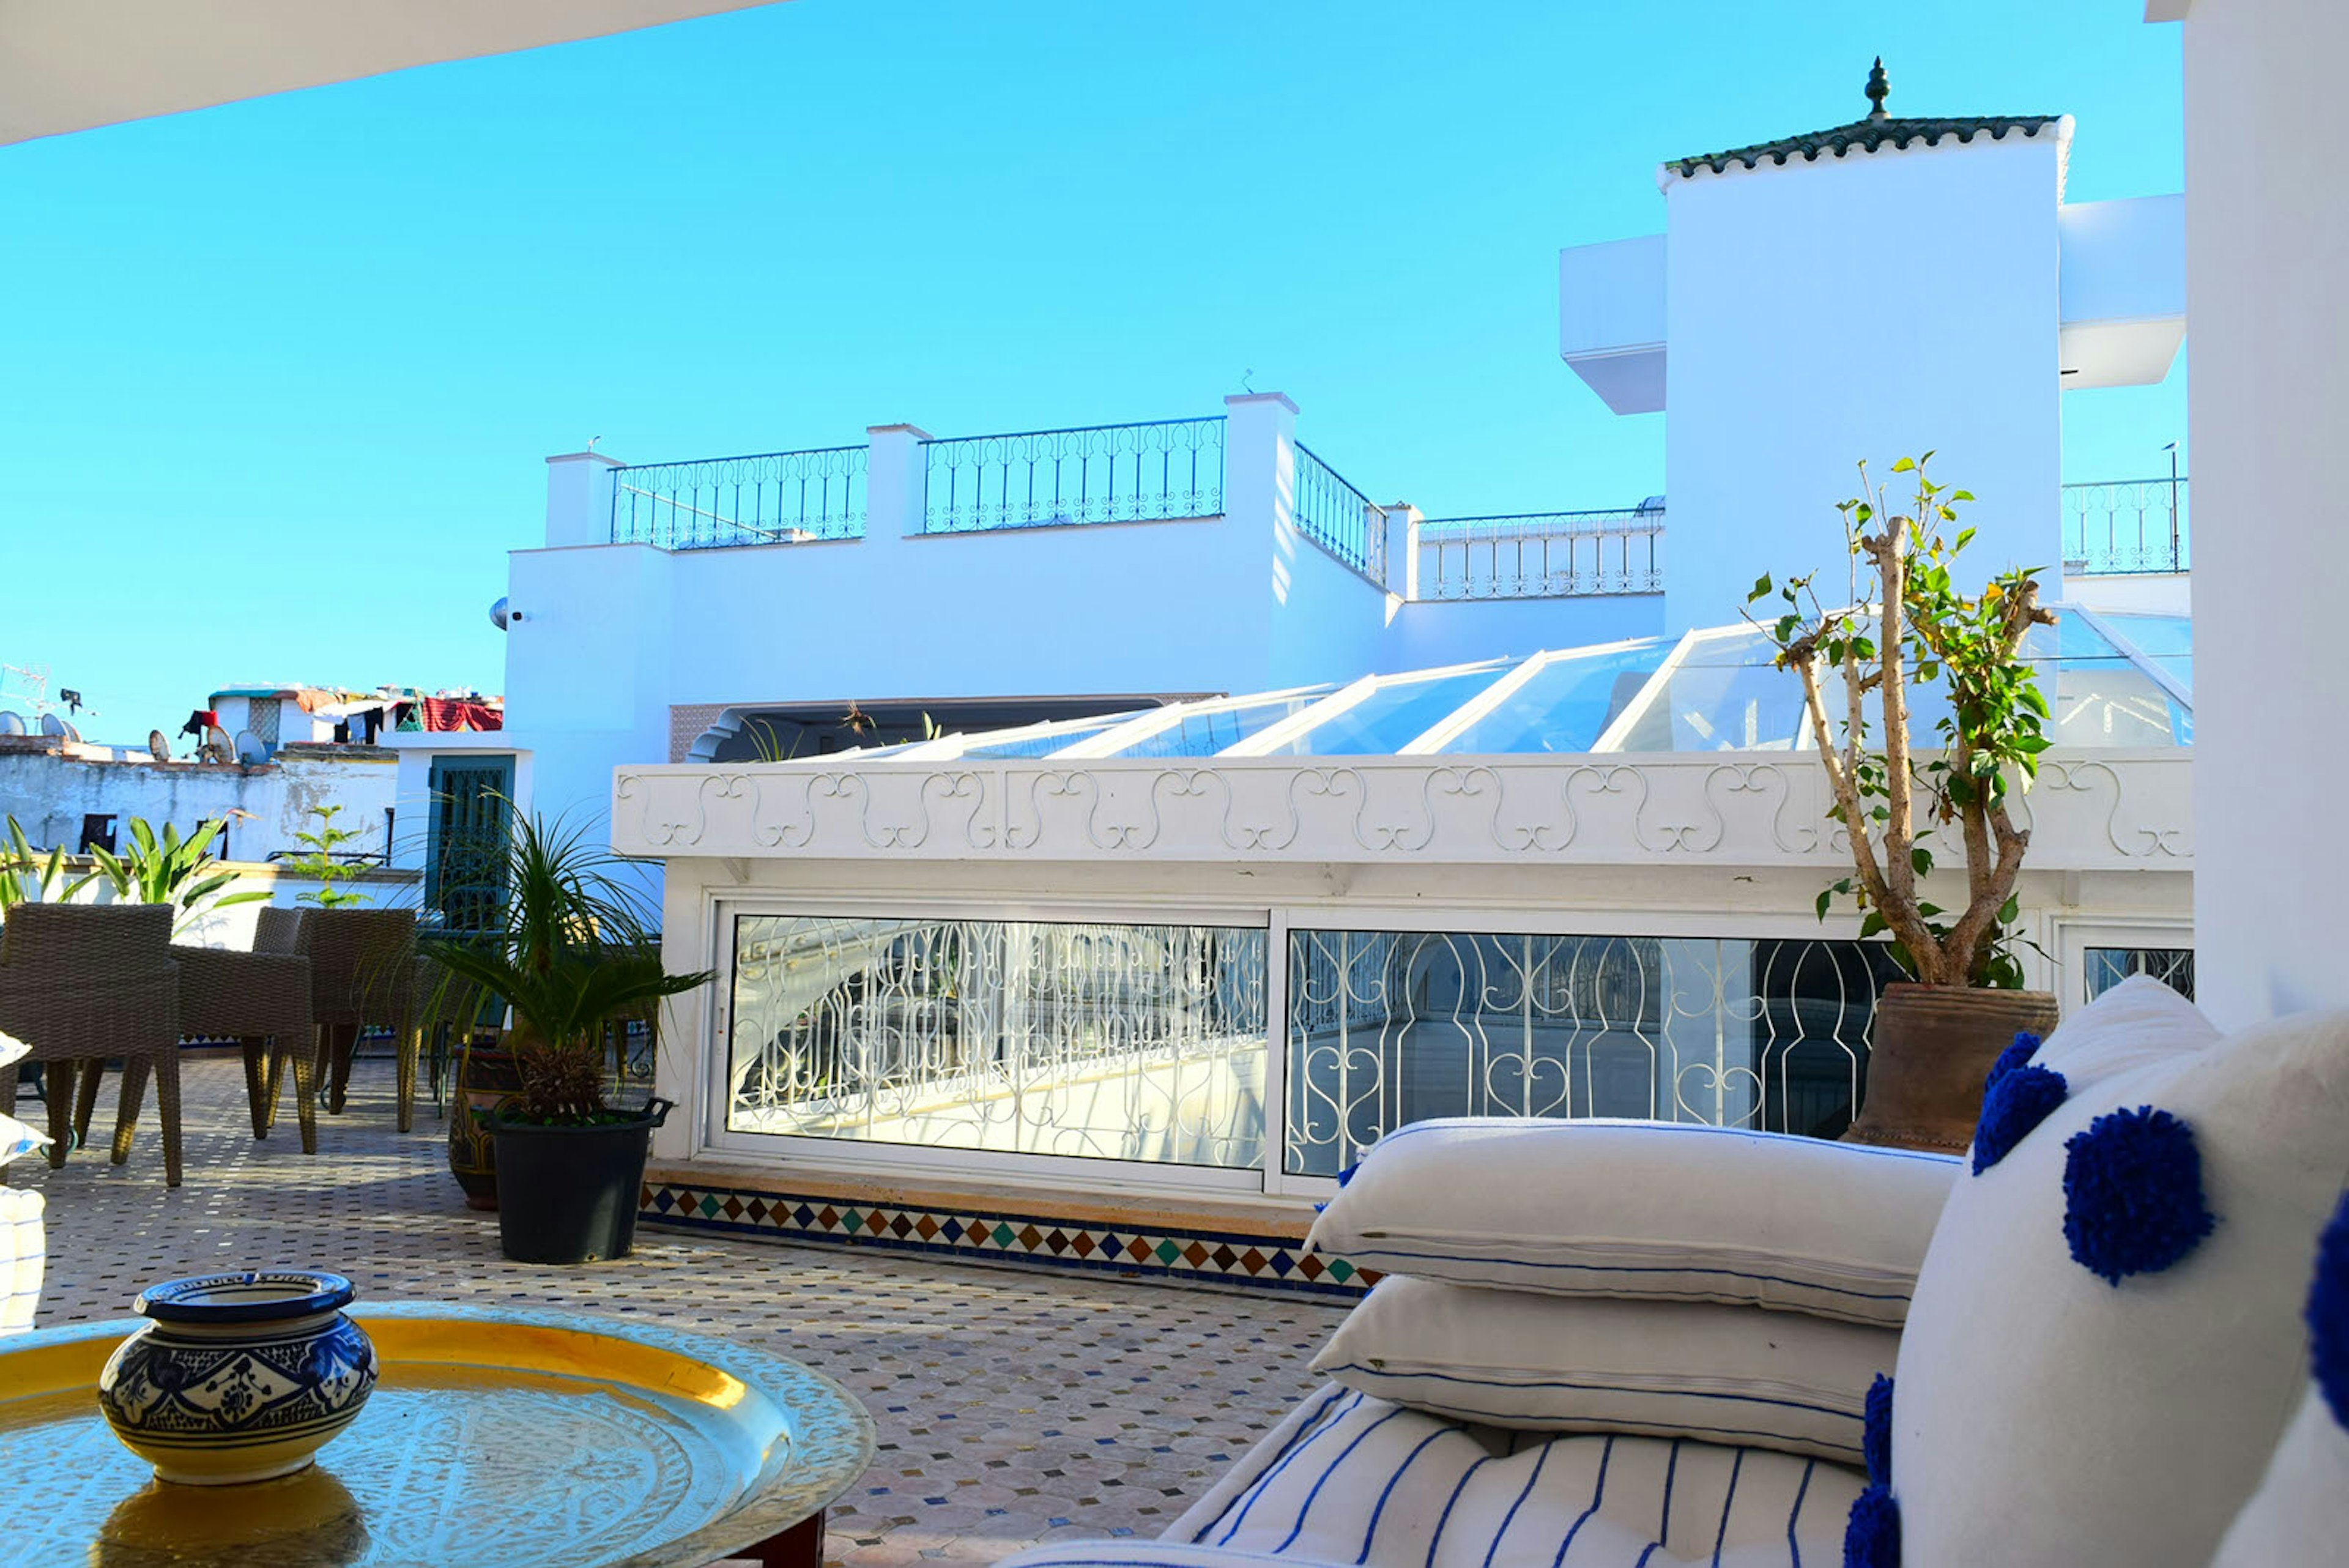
(1057, 1172)
(2074, 935)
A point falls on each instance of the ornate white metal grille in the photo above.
(1387, 1027)
(1119, 1042)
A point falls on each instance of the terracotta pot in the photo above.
(1929, 1053)
(487, 1082)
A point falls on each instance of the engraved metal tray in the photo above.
(497, 1437)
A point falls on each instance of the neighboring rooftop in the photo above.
(1878, 129)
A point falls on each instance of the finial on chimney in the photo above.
(1879, 88)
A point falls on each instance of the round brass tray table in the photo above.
(502, 1438)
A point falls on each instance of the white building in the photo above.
(1263, 821)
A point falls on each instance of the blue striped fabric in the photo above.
(1349, 1479)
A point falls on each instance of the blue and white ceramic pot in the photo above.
(238, 1378)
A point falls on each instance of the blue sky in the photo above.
(280, 375)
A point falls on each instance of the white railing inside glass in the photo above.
(1117, 1042)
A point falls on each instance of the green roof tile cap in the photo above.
(1877, 131)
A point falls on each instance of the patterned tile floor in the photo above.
(1013, 1407)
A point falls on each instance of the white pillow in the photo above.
(2300, 1515)
(2088, 1374)
(1731, 1375)
(17, 1139)
(2137, 1023)
(1655, 1210)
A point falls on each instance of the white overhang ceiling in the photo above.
(72, 67)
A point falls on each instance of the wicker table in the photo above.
(496, 1436)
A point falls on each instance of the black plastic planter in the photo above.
(568, 1195)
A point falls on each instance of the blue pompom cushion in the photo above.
(1692, 1370)
(2105, 1339)
(1657, 1211)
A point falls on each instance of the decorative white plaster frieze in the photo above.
(2088, 812)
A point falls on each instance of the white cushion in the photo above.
(1733, 1375)
(2299, 1516)
(17, 1140)
(1350, 1479)
(2045, 1416)
(1655, 1210)
(2135, 1025)
(21, 1257)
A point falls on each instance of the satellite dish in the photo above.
(12, 723)
(157, 747)
(249, 749)
(215, 747)
(72, 734)
(498, 613)
(53, 727)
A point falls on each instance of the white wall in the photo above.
(2267, 233)
(1454, 631)
(49, 793)
(1863, 307)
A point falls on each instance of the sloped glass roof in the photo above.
(2111, 680)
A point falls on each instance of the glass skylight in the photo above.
(2111, 680)
(1398, 710)
(1567, 703)
(1208, 728)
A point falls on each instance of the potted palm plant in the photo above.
(1910, 640)
(570, 960)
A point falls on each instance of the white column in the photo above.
(1402, 551)
(1260, 464)
(579, 498)
(2266, 230)
(897, 484)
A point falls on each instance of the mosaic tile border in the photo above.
(1214, 1257)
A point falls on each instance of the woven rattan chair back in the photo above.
(84, 944)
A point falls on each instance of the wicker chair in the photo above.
(79, 983)
(363, 970)
(261, 999)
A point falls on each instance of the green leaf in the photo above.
(2008, 910)
(1921, 859)
(1826, 897)
(1905, 465)
(1761, 588)
(1871, 924)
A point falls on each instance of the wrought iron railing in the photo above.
(765, 498)
(1542, 554)
(1338, 517)
(1384, 1028)
(1122, 1042)
(2123, 526)
(1154, 471)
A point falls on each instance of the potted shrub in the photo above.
(571, 959)
(1905, 639)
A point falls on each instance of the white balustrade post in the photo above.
(1402, 550)
(1260, 465)
(579, 498)
(896, 483)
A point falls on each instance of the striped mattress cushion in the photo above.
(1350, 1479)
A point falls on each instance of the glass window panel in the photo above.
(1566, 705)
(1394, 714)
(1723, 695)
(1203, 734)
(1385, 1028)
(2167, 639)
(2107, 967)
(1045, 742)
(1113, 1042)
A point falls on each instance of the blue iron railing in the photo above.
(1543, 555)
(2124, 525)
(1160, 470)
(1338, 517)
(766, 498)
